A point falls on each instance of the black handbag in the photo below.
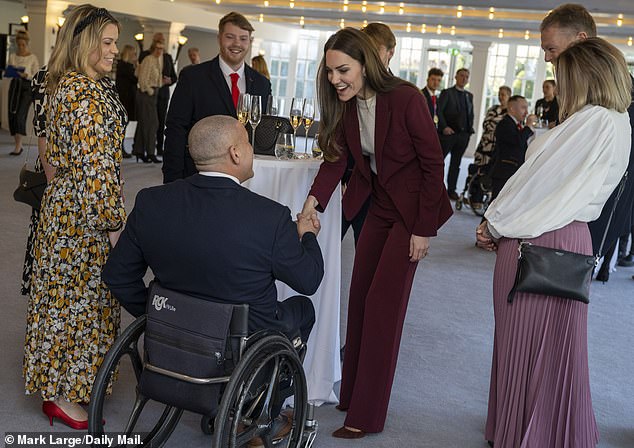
(31, 187)
(556, 272)
(267, 131)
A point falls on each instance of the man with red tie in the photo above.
(434, 78)
(210, 88)
(511, 141)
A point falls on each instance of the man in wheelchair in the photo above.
(209, 238)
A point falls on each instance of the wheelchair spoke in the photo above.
(139, 404)
(267, 407)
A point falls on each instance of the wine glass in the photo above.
(255, 115)
(284, 146)
(297, 105)
(317, 152)
(539, 111)
(244, 104)
(308, 115)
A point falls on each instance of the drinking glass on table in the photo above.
(255, 115)
(297, 105)
(316, 149)
(308, 115)
(284, 147)
(244, 104)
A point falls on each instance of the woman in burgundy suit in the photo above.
(384, 123)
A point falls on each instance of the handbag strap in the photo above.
(28, 148)
(616, 201)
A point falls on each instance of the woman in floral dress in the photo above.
(72, 319)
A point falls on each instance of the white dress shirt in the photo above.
(227, 71)
(219, 174)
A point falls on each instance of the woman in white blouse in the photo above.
(25, 65)
(540, 387)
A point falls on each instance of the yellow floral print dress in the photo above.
(72, 319)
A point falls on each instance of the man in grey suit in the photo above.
(455, 125)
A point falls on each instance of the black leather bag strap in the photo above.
(616, 201)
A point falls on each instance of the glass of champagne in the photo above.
(308, 115)
(317, 152)
(255, 115)
(284, 147)
(297, 105)
(244, 103)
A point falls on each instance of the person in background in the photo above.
(210, 88)
(455, 125)
(547, 108)
(494, 115)
(194, 55)
(149, 74)
(126, 82)
(562, 27)
(511, 141)
(363, 107)
(258, 63)
(540, 383)
(384, 40)
(434, 78)
(163, 97)
(25, 65)
(72, 320)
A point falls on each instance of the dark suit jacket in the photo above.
(510, 148)
(225, 244)
(408, 157)
(621, 223)
(451, 109)
(126, 83)
(168, 70)
(430, 103)
(201, 92)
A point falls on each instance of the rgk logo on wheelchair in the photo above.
(160, 303)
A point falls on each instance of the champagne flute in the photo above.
(255, 115)
(297, 105)
(244, 104)
(308, 115)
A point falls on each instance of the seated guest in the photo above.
(225, 243)
(547, 108)
(511, 141)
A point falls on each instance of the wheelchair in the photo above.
(237, 382)
(477, 190)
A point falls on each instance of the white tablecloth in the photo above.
(288, 182)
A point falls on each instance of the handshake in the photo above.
(307, 220)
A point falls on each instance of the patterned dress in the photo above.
(487, 143)
(72, 319)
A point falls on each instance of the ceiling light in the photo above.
(491, 13)
(138, 37)
(453, 30)
(24, 19)
(408, 28)
(342, 23)
(629, 41)
(182, 40)
(439, 29)
(423, 28)
(291, 4)
(400, 9)
(459, 12)
(364, 6)
(345, 8)
(619, 22)
(266, 3)
(301, 20)
(382, 8)
(60, 21)
(501, 33)
(365, 23)
(261, 18)
(527, 35)
(217, 2)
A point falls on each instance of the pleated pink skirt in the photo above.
(540, 387)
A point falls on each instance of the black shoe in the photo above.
(627, 261)
(153, 159)
(490, 443)
(453, 196)
(603, 275)
(141, 157)
(16, 153)
(126, 155)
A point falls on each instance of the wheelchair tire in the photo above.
(245, 412)
(127, 344)
(458, 204)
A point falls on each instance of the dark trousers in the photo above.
(455, 144)
(296, 314)
(19, 102)
(497, 183)
(356, 222)
(161, 110)
(379, 292)
(147, 121)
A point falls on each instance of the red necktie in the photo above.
(519, 126)
(235, 90)
(433, 101)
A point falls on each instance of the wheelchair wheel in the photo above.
(480, 211)
(269, 372)
(459, 204)
(166, 417)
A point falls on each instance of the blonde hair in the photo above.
(22, 35)
(592, 71)
(127, 52)
(258, 63)
(79, 37)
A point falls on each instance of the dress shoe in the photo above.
(345, 433)
(153, 159)
(627, 261)
(16, 153)
(141, 157)
(490, 443)
(282, 426)
(341, 408)
(126, 155)
(453, 196)
(54, 411)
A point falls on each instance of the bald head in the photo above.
(220, 143)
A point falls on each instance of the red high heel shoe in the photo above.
(53, 411)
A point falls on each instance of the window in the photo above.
(279, 67)
(525, 72)
(498, 60)
(409, 59)
(307, 64)
(439, 58)
(449, 56)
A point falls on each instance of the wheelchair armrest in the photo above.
(239, 325)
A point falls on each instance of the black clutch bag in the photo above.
(267, 131)
(555, 272)
(31, 188)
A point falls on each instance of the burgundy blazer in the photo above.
(409, 160)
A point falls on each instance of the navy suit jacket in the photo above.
(201, 92)
(430, 103)
(451, 109)
(621, 223)
(214, 239)
(510, 148)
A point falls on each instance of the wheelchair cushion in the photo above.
(188, 336)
